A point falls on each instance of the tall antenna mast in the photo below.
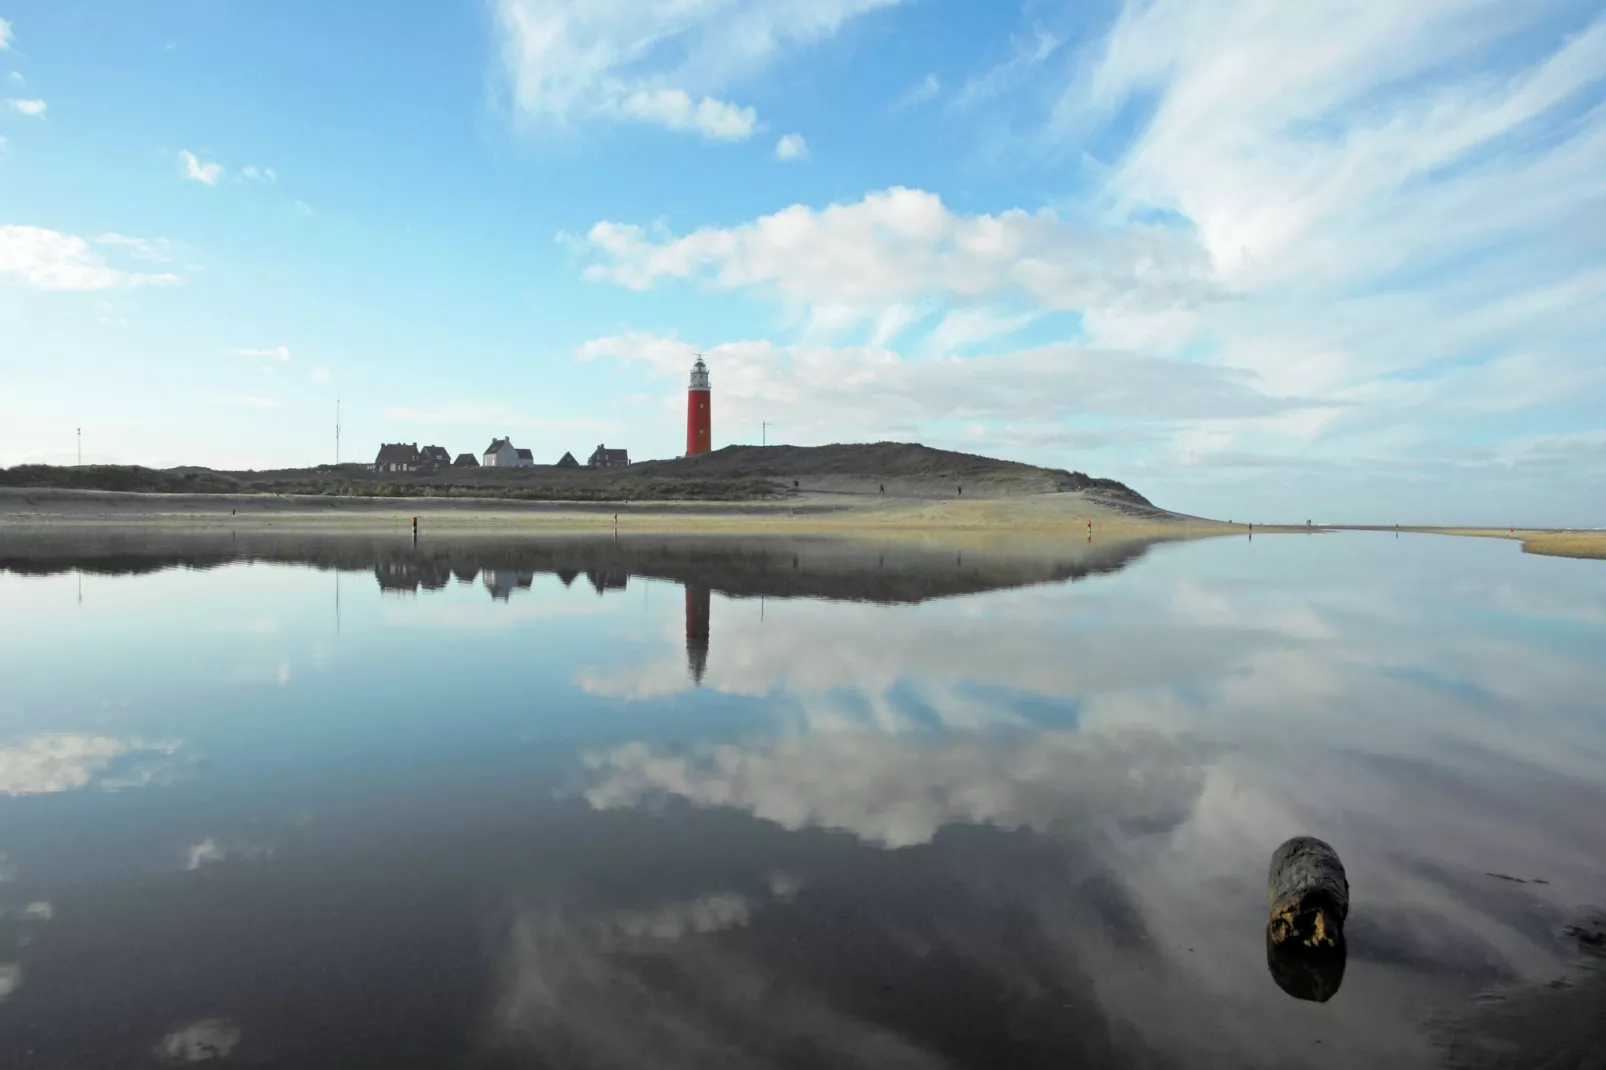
(337, 432)
(80, 447)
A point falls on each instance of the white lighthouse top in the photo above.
(699, 375)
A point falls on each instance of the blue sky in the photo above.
(1270, 261)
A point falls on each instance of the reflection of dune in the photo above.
(736, 566)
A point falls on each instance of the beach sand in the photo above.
(1026, 517)
(1047, 515)
(1547, 543)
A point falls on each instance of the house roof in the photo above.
(437, 452)
(394, 452)
(568, 461)
(604, 453)
(497, 443)
(526, 455)
(467, 460)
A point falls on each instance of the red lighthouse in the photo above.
(699, 411)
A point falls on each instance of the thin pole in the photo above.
(80, 447)
(337, 432)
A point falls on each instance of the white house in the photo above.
(501, 453)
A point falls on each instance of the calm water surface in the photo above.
(300, 803)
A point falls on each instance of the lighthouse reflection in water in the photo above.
(698, 602)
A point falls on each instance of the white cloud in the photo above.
(10, 980)
(791, 147)
(1027, 55)
(493, 414)
(897, 792)
(919, 93)
(966, 326)
(957, 667)
(674, 109)
(569, 61)
(202, 1041)
(31, 107)
(848, 262)
(569, 999)
(204, 853)
(827, 390)
(278, 353)
(5, 36)
(465, 412)
(198, 169)
(69, 761)
(159, 250)
(1225, 146)
(209, 852)
(321, 374)
(18, 79)
(1382, 213)
(251, 173)
(1393, 196)
(673, 921)
(51, 260)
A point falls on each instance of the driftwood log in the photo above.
(1309, 894)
